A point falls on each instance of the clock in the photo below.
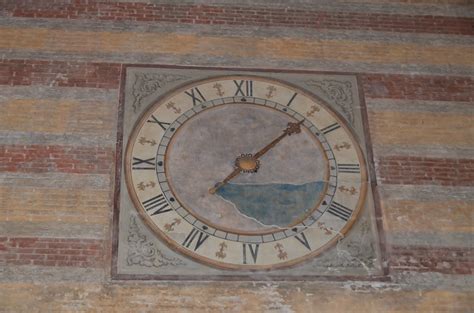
(245, 172)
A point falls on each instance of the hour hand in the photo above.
(234, 173)
(248, 163)
(245, 163)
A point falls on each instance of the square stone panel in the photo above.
(138, 253)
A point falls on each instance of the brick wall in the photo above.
(51, 252)
(243, 15)
(45, 158)
(426, 171)
(59, 77)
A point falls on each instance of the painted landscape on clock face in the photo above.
(287, 186)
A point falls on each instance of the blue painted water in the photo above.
(273, 204)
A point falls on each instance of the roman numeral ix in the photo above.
(147, 164)
(340, 211)
(158, 203)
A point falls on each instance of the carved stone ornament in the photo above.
(358, 252)
(339, 92)
(147, 84)
(144, 253)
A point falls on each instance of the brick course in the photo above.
(243, 15)
(51, 251)
(425, 171)
(49, 158)
(421, 87)
(59, 73)
(428, 259)
(107, 75)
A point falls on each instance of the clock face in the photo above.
(245, 172)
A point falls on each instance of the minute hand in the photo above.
(292, 128)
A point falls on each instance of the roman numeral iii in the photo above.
(340, 211)
(348, 168)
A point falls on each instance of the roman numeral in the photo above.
(196, 95)
(348, 168)
(163, 125)
(193, 235)
(159, 203)
(340, 211)
(291, 100)
(330, 128)
(248, 92)
(303, 240)
(139, 164)
(253, 249)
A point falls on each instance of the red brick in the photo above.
(79, 256)
(76, 74)
(421, 171)
(431, 259)
(422, 87)
(243, 15)
(66, 159)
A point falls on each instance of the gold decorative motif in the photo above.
(314, 109)
(327, 230)
(282, 255)
(271, 90)
(142, 186)
(344, 145)
(218, 87)
(171, 105)
(170, 227)
(220, 254)
(247, 163)
(144, 141)
(351, 190)
(293, 128)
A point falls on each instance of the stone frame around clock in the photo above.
(148, 241)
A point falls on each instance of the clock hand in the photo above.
(292, 128)
(250, 163)
(234, 173)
